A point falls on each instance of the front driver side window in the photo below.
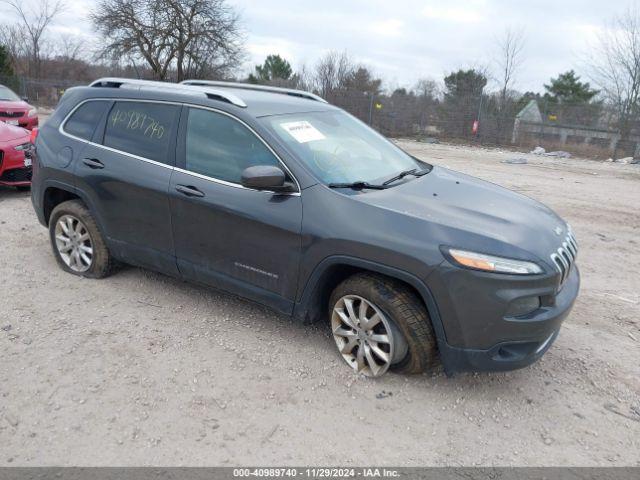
(220, 147)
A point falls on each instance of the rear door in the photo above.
(242, 240)
(125, 173)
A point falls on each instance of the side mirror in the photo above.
(266, 177)
(25, 99)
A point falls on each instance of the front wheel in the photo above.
(379, 324)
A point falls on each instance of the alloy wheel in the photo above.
(368, 341)
(74, 243)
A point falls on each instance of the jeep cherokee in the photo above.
(281, 198)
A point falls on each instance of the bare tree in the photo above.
(427, 88)
(207, 35)
(70, 47)
(332, 72)
(14, 39)
(615, 68)
(135, 29)
(509, 58)
(195, 37)
(35, 21)
(427, 92)
(302, 79)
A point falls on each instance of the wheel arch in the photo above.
(54, 193)
(333, 270)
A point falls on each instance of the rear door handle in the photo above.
(93, 163)
(189, 191)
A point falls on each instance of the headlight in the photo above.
(23, 147)
(489, 263)
(33, 112)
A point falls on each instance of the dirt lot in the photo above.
(141, 369)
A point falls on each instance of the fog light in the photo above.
(523, 306)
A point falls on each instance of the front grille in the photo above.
(565, 256)
(11, 114)
(17, 175)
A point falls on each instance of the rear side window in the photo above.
(84, 120)
(141, 128)
(219, 147)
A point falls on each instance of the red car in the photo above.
(15, 111)
(15, 156)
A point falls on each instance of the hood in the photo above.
(12, 105)
(457, 205)
(10, 133)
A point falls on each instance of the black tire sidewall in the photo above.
(404, 309)
(101, 261)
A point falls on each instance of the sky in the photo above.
(406, 40)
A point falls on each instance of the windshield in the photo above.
(339, 148)
(6, 94)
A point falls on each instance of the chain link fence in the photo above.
(589, 130)
(39, 92)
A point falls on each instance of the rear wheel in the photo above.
(77, 242)
(379, 324)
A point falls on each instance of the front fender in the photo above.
(307, 307)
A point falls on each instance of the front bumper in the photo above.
(486, 339)
(13, 171)
(502, 357)
(16, 177)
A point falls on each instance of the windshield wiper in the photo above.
(401, 175)
(358, 186)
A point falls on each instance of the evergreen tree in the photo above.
(274, 68)
(6, 69)
(462, 97)
(567, 88)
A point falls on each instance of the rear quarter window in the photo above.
(143, 129)
(83, 122)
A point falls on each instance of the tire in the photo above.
(75, 215)
(415, 352)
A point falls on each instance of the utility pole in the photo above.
(479, 114)
(371, 110)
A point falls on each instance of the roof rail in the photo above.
(259, 88)
(130, 83)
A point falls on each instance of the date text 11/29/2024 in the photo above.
(333, 472)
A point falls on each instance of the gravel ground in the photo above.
(142, 369)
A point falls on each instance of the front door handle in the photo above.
(189, 191)
(93, 163)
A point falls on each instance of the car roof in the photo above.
(256, 100)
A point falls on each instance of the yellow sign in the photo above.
(553, 118)
(378, 106)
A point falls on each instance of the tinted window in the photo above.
(84, 120)
(221, 147)
(141, 128)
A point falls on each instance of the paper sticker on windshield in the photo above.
(303, 131)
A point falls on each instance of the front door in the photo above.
(241, 240)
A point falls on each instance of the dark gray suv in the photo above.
(281, 198)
